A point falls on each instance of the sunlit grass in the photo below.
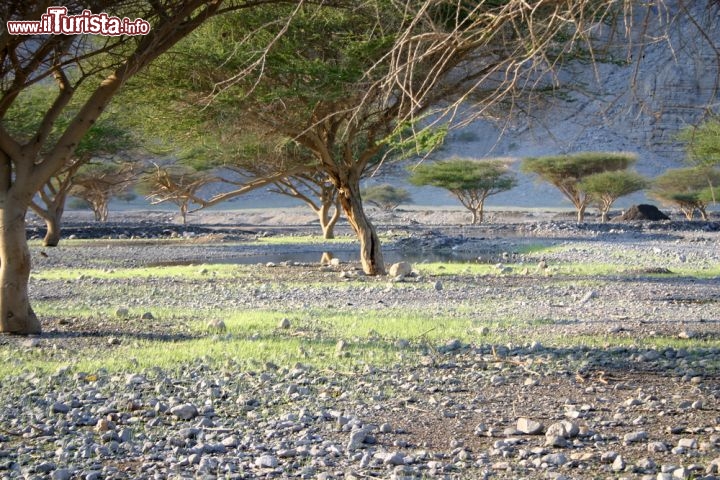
(255, 336)
(186, 272)
(302, 240)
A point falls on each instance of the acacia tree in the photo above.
(90, 68)
(690, 189)
(178, 184)
(97, 182)
(346, 82)
(471, 181)
(386, 197)
(107, 136)
(318, 193)
(566, 172)
(605, 188)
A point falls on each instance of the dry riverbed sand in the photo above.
(587, 351)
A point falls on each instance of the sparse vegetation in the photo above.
(690, 189)
(386, 197)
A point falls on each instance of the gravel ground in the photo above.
(459, 409)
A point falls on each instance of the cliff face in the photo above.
(665, 80)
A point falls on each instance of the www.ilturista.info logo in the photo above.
(57, 22)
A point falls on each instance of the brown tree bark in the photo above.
(581, 213)
(53, 234)
(16, 314)
(370, 253)
(327, 221)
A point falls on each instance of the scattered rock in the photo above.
(400, 269)
(642, 212)
(186, 411)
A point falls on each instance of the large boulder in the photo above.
(642, 212)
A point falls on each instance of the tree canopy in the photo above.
(471, 181)
(566, 172)
(605, 188)
(690, 189)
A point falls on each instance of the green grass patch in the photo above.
(302, 240)
(186, 272)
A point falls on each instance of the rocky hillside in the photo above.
(623, 104)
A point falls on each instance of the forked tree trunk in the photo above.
(370, 254)
(16, 315)
(327, 221)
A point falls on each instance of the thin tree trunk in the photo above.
(474, 216)
(604, 217)
(16, 314)
(183, 213)
(703, 213)
(327, 221)
(370, 254)
(52, 222)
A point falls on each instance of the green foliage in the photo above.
(561, 169)
(108, 135)
(703, 142)
(471, 181)
(462, 174)
(614, 184)
(566, 172)
(386, 196)
(606, 187)
(690, 189)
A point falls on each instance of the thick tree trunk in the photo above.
(16, 315)
(370, 254)
(604, 217)
(474, 216)
(581, 214)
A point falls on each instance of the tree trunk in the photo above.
(370, 254)
(604, 217)
(52, 222)
(581, 214)
(327, 221)
(703, 213)
(474, 216)
(16, 315)
(184, 212)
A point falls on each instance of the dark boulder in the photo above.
(642, 212)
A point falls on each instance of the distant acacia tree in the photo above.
(318, 193)
(566, 172)
(606, 187)
(471, 181)
(177, 184)
(690, 189)
(96, 183)
(386, 197)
